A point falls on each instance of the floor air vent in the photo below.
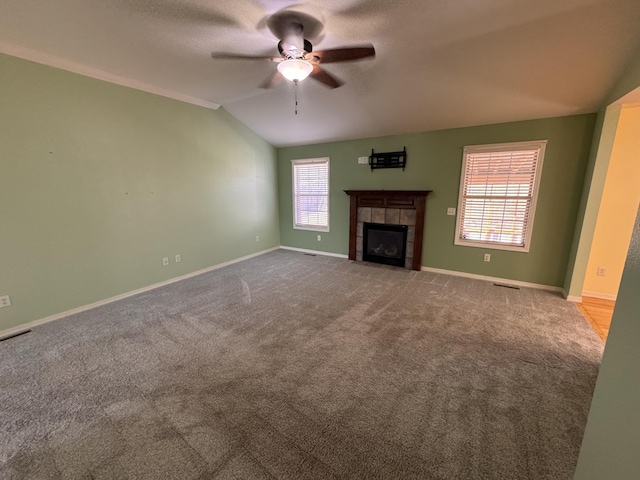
(14, 335)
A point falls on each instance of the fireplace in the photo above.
(386, 244)
(397, 209)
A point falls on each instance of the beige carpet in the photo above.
(289, 366)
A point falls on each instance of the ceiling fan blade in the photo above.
(324, 77)
(343, 54)
(272, 80)
(233, 56)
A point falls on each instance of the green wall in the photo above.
(604, 137)
(434, 162)
(597, 166)
(98, 182)
(612, 436)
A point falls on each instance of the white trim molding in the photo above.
(504, 281)
(482, 157)
(70, 66)
(601, 296)
(314, 252)
(571, 298)
(84, 308)
(301, 172)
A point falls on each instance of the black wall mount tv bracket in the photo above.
(388, 159)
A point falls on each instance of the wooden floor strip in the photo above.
(598, 313)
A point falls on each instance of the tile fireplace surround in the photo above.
(392, 207)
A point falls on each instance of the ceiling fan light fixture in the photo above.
(295, 69)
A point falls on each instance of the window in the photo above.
(311, 194)
(498, 192)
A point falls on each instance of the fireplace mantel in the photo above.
(386, 203)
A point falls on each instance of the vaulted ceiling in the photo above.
(439, 63)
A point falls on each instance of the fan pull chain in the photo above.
(295, 89)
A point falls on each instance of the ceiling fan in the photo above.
(297, 59)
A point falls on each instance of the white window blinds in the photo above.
(497, 197)
(311, 194)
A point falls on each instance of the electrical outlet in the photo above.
(487, 257)
(178, 258)
(319, 238)
(257, 238)
(602, 271)
(363, 160)
(451, 211)
(165, 261)
(5, 301)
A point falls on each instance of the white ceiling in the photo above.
(439, 63)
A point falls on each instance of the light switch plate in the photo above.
(5, 301)
(363, 160)
(451, 211)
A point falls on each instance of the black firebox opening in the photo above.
(384, 243)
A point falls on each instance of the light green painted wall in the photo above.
(611, 440)
(98, 182)
(618, 207)
(612, 436)
(434, 162)
(603, 139)
(594, 181)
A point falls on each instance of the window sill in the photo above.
(492, 246)
(311, 228)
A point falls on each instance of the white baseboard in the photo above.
(571, 298)
(505, 281)
(601, 296)
(58, 316)
(314, 252)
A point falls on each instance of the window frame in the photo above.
(308, 161)
(540, 146)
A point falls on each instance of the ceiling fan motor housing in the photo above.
(291, 51)
(296, 62)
